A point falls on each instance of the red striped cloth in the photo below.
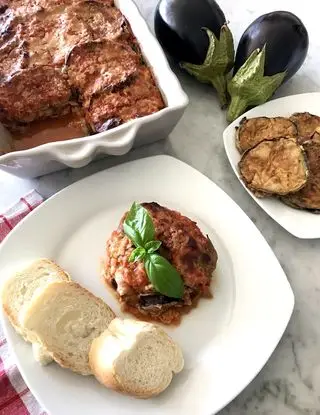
(15, 397)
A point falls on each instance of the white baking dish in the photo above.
(81, 151)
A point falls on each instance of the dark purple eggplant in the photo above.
(270, 52)
(178, 26)
(194, 34)
(286, 40)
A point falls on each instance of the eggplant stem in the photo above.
(237, 107)
(219, 82)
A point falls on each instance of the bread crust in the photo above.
(107, 375)
(14, 317)
(64, 276)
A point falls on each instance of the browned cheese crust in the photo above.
(309, 196)
(28, 7)
(274, 167)
(48, 35)
(97, 66)
(306, 124)
(254, 130)
(13, 58)
(20, 7)
(101, 21)
(34, 93)
(139, 98)
(90, 43)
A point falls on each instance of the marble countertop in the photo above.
(290, 382)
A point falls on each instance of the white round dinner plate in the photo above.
(226, 340)
(300, 223)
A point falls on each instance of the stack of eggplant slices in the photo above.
(281, 158)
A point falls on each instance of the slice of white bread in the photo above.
(135, 358)
(40, 354)
(19, 290)
(64, 317)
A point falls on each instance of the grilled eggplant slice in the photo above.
(274, 167)
(306, 124)
(309, 196)
(254, 130)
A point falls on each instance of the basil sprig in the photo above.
(139, 228)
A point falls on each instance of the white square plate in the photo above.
(226, 340)
(299, 223)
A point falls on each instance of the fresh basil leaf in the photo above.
(163, 276)
(152, 246)
(136, 254)
(134, 236)
(138, 225)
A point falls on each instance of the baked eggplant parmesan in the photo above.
(138, 98)
(185, 248)
(98, 66)
(57, 54)
(35, 93)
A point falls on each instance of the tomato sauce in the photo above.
(47, 131)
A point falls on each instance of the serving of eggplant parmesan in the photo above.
(281, 157)
(166, 283)
(72, 60)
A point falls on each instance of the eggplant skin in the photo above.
(179, 27)
(308, 197)
(286, 40)
(254, 130)
(306, 124)
(274, 167)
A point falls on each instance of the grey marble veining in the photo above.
(290, 382)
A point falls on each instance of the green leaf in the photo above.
(249, 87)
(136, 254)
(218, 63)
(152, 246)
(163, 276)
(138, 225)
(133, 235)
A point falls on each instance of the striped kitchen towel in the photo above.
(15, 397)
(18, 211)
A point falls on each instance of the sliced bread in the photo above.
(135, 358)
(41, 354)
(19, 290)
(65, 318)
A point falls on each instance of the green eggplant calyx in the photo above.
(249, 87)
(218, 62)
